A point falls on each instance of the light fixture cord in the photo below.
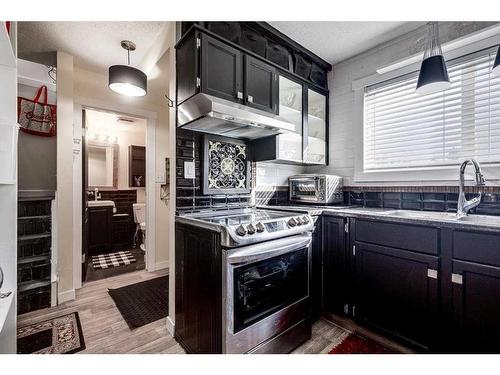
(128, 54)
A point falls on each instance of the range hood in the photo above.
(209, 114)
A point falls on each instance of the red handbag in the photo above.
(35, 116)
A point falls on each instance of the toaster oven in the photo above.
(315, 188)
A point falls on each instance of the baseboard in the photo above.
(170, 326)
(66, 296)
(161, 265)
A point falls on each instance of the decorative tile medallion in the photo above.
(227, 165)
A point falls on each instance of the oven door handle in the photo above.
(269, 249)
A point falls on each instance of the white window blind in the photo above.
(404, 130)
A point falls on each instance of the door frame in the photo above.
(151, 118)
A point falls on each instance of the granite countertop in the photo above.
(438, 219)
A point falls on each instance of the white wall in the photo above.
(104, 123)
(64, 197)
(270, 175)
(346, 105)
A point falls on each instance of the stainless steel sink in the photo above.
(480, 220)
(423, 215)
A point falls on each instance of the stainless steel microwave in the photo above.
(315, 188)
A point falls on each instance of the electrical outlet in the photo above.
(189, 171)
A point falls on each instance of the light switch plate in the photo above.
(189, 169)
(160, 179)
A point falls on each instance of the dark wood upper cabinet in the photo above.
(261, 85)
(137, 166)
(221, 69)
(186, 68)
(336, 275)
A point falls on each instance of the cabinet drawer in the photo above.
(477, 247)
(408, 237)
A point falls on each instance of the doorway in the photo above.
(114, 225)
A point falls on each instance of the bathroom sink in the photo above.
(102, 204)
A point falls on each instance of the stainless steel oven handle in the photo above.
(269, 249)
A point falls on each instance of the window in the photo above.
(403, 130)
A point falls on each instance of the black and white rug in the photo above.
(117, 259)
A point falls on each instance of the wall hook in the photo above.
(170, 103)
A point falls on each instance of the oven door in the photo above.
(267, 290)
(306, 189)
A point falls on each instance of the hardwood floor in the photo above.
(104, 329)
(106, 332)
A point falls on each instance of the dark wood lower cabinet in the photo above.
(336, 271)
(397, 291)
(476, 307)
(317, 270)
(441, 294)
(100, 230)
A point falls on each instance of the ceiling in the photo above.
(100, 122)
(336, 41)
(95, 45)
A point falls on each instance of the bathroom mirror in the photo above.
(102, 164)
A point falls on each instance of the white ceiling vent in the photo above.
(126, 120)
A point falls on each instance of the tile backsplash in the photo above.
(189, 192)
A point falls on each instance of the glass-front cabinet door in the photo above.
(315, 147)
(290, 109)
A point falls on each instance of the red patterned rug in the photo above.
(354, 344)
(61, 335)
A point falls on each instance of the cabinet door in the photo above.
(315, 143)
(260, 85)
(317, 269)
(221, 70)
(100, 230)
(290, 109)
(476, 307)
(336, 279)
(397, 290)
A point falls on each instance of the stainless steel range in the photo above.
(266, 257)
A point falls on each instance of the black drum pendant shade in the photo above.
(496, 64)
(125, 79)
(433, 76)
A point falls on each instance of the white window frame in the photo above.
(442, 175)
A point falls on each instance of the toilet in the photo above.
(140, 222)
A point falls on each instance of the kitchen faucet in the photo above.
(464, 205)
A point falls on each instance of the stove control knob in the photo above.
(305, 219)
(292, 222)
(251, 229)
(241, 230)
(298, 220)
(260, 228)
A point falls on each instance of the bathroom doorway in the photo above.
(113, 194)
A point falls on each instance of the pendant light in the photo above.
(496, 64)
(125, 79)
(433, 76)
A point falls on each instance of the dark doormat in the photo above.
(61, 335)
(142, 303)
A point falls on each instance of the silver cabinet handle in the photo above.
(456, 278)
(250, 98)
(433, 274)
(239, 95)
